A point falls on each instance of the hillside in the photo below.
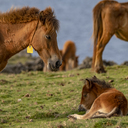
(44, 100)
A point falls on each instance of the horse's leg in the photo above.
(2, 65)
(106, 115)
(95, 107)
(99, 50)
(45, 68)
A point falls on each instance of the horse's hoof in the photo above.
(71, 117)
(100, 70)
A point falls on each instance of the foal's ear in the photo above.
(88, 84)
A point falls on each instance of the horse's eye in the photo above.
(85, 95)
(48, 37)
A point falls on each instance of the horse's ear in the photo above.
(42, 17)
(88, 84)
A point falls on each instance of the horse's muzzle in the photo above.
(58, 64)
(81, 108)
(55, 66)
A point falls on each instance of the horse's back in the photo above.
(115, 11)
(69, 49)
(113, 98)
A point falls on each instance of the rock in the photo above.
(27, 95)
(87, 63)
(36, 64)
(125, 63)
(109, 63)
(110, 81)
(24, 53)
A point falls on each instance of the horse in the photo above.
(101, 100)
(72, 63)
(45, 69)
(70, 60)
(109, 18)
(23, 27)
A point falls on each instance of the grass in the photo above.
(44, 100)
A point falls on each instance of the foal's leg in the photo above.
(2, 65)
(88, 115)
(106, 115)
(99, 50)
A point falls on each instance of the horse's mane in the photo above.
(101, 83)
(19, 15)
(27, 14)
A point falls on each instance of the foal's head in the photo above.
(45, 39)
(91, 90)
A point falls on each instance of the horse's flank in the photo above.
(70, 60)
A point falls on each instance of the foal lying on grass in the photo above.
(100, 97)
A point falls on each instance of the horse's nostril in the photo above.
(58, 64)
(81, 108)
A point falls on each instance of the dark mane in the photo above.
(27, 14)
(101, 83)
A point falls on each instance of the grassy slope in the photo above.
(52, 97)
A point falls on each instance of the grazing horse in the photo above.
(100, 97)
(20, 28)
(45, 69)
(109, 18)
(70, 60)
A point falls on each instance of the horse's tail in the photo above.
(97, 27)
(98, 24)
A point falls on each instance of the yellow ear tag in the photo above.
(29, 49)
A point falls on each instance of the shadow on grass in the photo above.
(44, 115)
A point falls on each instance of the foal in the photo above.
(100, 97)
(70, 60)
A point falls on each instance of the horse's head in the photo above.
(88, 96)
(45, 39)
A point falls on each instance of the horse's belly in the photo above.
(123, 35)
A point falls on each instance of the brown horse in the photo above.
(100, 97)
(45, 69)
(20, 28)
(109, 18)
(70, 60)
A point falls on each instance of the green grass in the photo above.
(51, 97)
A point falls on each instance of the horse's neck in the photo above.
(17, 36)
(98, 91)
